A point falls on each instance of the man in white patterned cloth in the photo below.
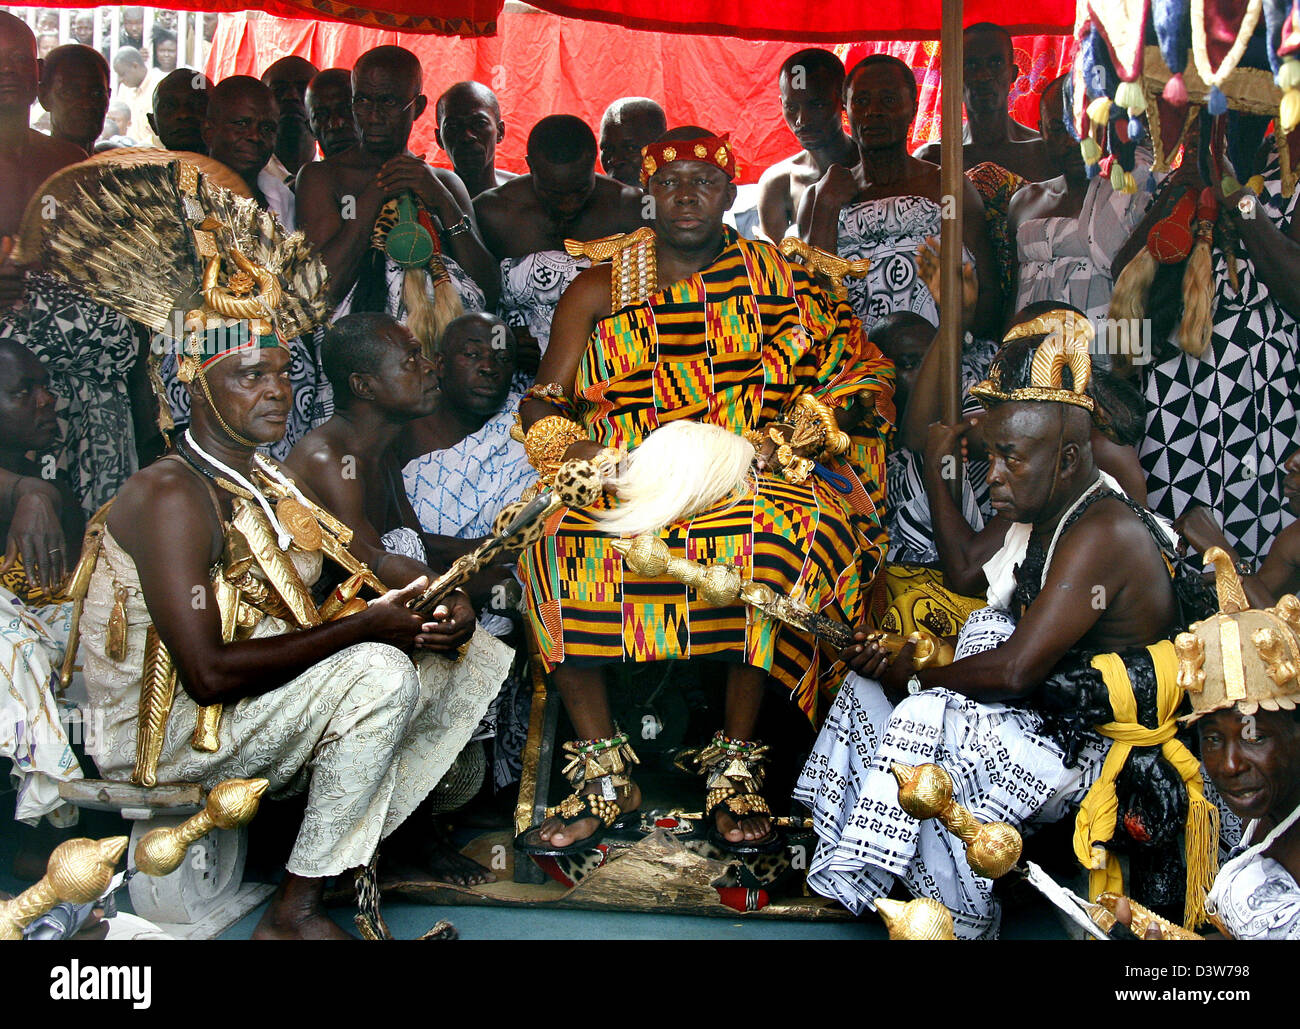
(1013, 718)
(365, 712)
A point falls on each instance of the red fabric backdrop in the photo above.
(744, 19)
(540, 64)
(825, 22)
(448, 17)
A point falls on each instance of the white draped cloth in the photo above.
(1254, 897)
(32, 734)
(459, 491)
(365, 733)
(1003, 769)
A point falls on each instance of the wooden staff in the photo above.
(952, 180)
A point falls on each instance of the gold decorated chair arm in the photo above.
(831, 269)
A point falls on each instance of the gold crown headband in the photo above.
(1242, 657)
(1067, 345)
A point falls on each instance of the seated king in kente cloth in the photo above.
(204, 647)
(683, 351)
(1064, 690)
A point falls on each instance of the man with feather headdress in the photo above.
(204, 645)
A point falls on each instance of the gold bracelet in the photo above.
(548, 439)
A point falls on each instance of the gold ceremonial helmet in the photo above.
(1242, 657)
(1020, 371)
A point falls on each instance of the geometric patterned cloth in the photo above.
(531, 286)
(733, 346)
(887, 232)
(459, 491)
(907, 511)
(1002, 768)
(88, 351)
(996, 187)
(1220, 427)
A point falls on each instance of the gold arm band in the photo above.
(548, 439)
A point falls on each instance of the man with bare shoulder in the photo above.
(812, 103)
(437, 267)
(1082, 605)
(200, 608)
(27, 157)
(526, 221)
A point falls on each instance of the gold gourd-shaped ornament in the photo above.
(230, 804)
(925, 791)
(78, 872)
(922, 918)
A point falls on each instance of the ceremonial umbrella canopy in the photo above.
(744, 19)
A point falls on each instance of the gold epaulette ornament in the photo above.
(634, 274)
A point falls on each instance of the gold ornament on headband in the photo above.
(1068, 335)
(1244, 658)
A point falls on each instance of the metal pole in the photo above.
(182, 39)
(952, 180)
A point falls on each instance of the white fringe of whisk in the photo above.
(678, 471)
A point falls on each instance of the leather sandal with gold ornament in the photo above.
(598, 772)
(733, 774)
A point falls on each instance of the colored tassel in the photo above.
(1175, 90)
(1288, 76)
(1091, 150)
(1129, 298)
(1092, 171)
(1099, 110)
(1135, 130)
(1218, 103)
(1289, 109)
(1198, 295)
(1130, 95)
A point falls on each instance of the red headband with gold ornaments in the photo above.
(714, 150)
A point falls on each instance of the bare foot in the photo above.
(439, 862)
(555, 833)
(296, 913)
(746, 830)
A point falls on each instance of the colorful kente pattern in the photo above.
(732, 346)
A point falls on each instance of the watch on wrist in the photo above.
(914, 686)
